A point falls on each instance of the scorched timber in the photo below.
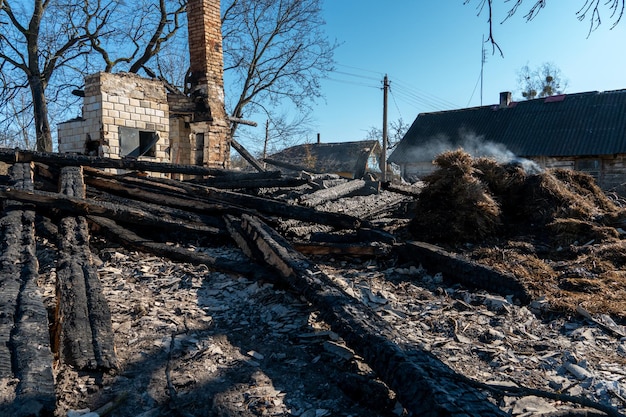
(132, 240)
(11, 156)
(25, 353)
(465, 271)
(329, 194)
(83, 330)
(83, 206)
(425, 386)
(196, 195)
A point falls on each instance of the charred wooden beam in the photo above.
(199, 196)
(83, 206)
(405, 189)
(194, 222)
(333, 193)
(25, 352)
(225, 183)
(349, 249)
(83, 329)
(246, 155)
(232, 266)
(465, 271)
(12, 156)
(425, 386)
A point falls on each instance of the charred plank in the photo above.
(12, 156)
(25, 352)
(132, 240)
(333, 193)
(207, 198)
(84, 206)
(83, 330)
(351, 249)
(424, 385)
(465, 271)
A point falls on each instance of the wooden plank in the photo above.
(329, 194)
(25, 352)
(84, 206)
(132, 240)
(349, 249)
(425, 386)
(12, 156)
(205, 198)
(465, 271)
(83, 330)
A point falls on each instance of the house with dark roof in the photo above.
(347, 159)
(582, 131)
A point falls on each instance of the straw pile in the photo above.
(471, 200)
(555, 230)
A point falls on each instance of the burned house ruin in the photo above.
(125, 115)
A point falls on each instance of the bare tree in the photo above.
(58, 38)
(36, 44)
(591, 10)
(544, 81)
(274, 50)
(397, 130)
(136, 32)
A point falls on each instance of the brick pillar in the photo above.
(207, 78)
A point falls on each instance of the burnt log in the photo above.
(200, 223)
(465, 271)
(425, 386)
(82, 206)
(347, 249)
(83, 330)
(333, 193)
(12, 156)
(131, 240)
(207, 198)
(225, 183)
(25, 352)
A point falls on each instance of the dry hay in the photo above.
(595, 279)
(469, 200)
(570, 231)
(555, 230)
(455, 205)
(519, 259)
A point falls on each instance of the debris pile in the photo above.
(556, 231)
(259, 294)
(471, 200)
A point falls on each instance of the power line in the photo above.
(431, 97)
(395, 102)
(355, 75)
(360, 84)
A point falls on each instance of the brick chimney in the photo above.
(210, 126)
(505, 99)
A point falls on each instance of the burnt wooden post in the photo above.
(83, 329)
(25, 352)
(425, 386)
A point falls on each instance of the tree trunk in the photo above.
(40, 107)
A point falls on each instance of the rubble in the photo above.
(207, 322)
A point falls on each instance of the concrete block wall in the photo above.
(113, 101)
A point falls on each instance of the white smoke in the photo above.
(477, 147)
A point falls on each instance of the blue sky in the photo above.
(431, 51)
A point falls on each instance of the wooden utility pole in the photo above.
(267, 139)
(384, 155)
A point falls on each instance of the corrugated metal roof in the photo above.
(581, 124)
